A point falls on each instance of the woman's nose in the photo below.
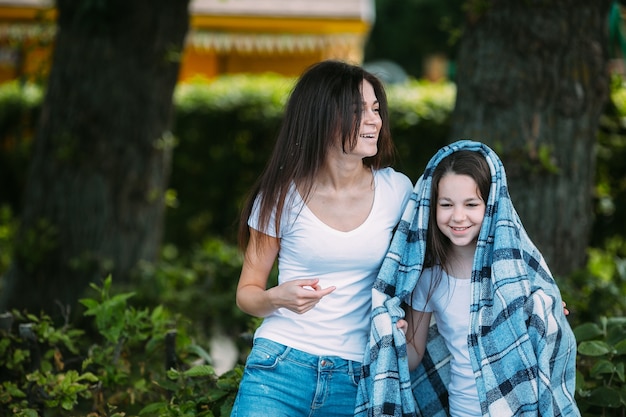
(370, 116)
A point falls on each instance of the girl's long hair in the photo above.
(326, 103)
(463, 162)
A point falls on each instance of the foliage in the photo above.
(610, 189)
(420, 122)
(225, 129)
(598, 289)
(7, 231)
(119, 370)
(601, 378)
(19, 110)
(139, 362)
(201, 283)
(595, 298)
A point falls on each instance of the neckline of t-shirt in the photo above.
(341, 232)
(465, 281)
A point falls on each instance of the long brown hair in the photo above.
(462, 162)
(325, 103)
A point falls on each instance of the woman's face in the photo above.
(371, 123)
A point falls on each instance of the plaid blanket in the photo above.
(522, 349)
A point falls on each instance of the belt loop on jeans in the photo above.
(350, 367)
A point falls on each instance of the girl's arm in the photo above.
(416, 329)
(253, 296)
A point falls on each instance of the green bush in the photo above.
(19, 110)
(225, 130)
(598, 289)
(200, 282)
(610, 189)
(601, 379)
(138, 362)
(8, 226)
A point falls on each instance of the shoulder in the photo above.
(427, 275)
(397, 180)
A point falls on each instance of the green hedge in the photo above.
(225, 130)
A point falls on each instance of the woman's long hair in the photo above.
(326, 103)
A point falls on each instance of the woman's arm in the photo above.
(253, 296)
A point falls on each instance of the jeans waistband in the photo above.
(314, 361)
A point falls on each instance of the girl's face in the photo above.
(371, 122)
(460, 209)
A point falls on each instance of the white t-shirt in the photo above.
(450, 304)
(339, 324)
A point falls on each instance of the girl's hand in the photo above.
(565, 310)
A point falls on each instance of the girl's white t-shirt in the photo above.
(450, 304)
(339, 324)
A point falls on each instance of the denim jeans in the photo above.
(280, 381)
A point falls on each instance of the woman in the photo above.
(325, 207)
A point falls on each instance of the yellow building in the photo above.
(225, 36)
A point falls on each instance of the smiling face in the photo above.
(460, 210)
(371, 123)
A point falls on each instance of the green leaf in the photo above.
(605, 397)
(12, 389)
(580, 381)
(200, 370)
(587, 331)
(153, 409)
(603, 366)
(619, 369)
(88, 302)
(620, 348)
(68, 403)
(198, 350)
(594, 348)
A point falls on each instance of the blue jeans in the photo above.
(280, 381)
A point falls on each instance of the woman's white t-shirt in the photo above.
(339, 324)
(450, 304)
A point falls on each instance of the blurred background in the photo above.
(131, 132)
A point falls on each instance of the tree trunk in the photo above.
(94, 198)
(532, 81)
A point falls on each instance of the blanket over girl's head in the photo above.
(522, 349)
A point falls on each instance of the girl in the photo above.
(326, 207)
(494, 301)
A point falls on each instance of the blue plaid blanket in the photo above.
(522, 349)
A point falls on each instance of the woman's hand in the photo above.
(299, 295)
(403, 325)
